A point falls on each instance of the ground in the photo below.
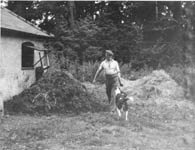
(95, 131)
(157, 123)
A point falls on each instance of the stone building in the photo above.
(22, 51)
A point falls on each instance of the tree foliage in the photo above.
(141, 33)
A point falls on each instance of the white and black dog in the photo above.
(121, 104)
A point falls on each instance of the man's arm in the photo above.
(97, 73)
(119, 74)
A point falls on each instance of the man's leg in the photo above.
(114, 85)
(112, 97)
(108, 90)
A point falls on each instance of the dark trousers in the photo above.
(111, 84)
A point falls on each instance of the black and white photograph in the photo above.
(97, 75)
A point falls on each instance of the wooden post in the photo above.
(40, 59)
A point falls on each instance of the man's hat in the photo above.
(109, 52)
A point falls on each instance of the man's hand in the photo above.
(93, 81)
(120, 82)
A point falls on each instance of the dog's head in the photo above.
(121, 99)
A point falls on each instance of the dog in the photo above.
(121, 104)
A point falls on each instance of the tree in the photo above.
(71, 7)
(123, 26)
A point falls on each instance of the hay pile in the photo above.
(155, 85)
(55, 92)
(157, 95)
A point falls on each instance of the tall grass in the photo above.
(129, 73)
(185, 77)
(177, 72)
(86, 72)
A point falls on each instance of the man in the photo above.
(112, 73)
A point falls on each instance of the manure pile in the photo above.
(57, 92)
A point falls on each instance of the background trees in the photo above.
(140, 33)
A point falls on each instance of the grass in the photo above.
(98, 131)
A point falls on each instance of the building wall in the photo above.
(13, 79)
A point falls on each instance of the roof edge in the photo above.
(30, 23)
(15, 32)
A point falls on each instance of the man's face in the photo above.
(108, 56)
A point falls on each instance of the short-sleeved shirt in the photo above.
(110, 67)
